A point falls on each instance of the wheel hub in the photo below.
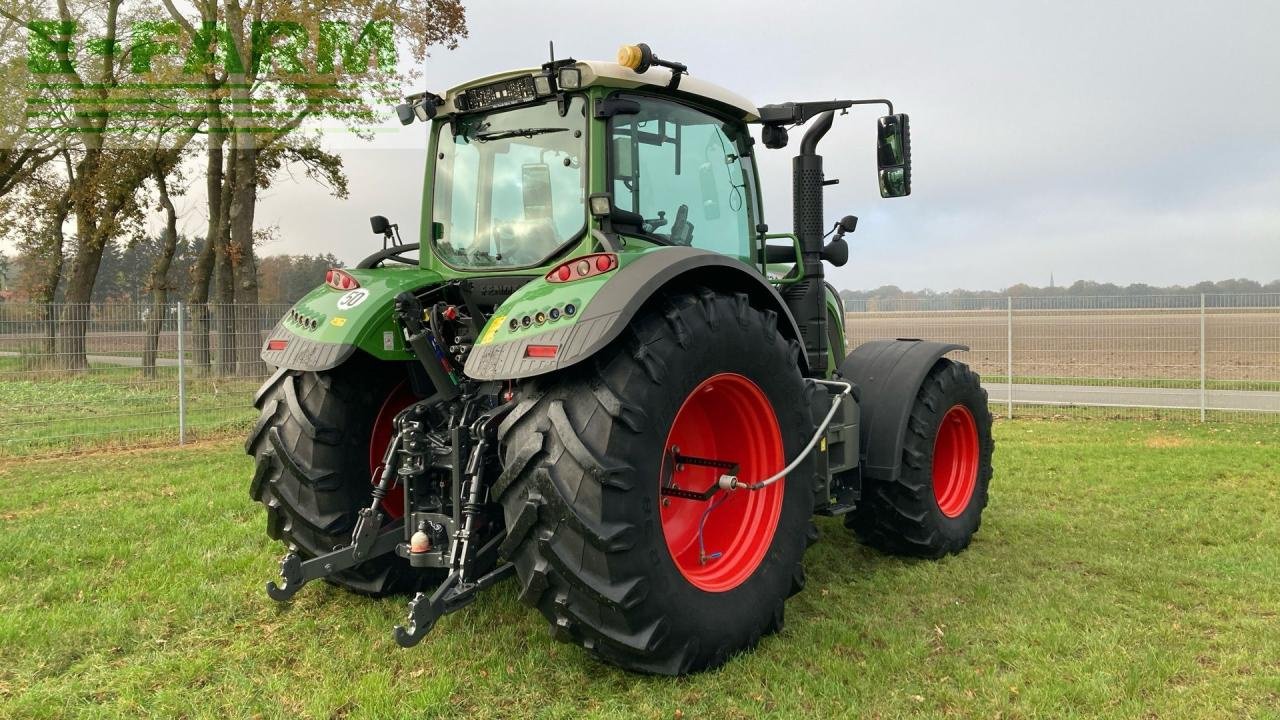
(717, 538)
(955, 461)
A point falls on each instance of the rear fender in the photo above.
(323, 329)
(888, 374)
(602, 307)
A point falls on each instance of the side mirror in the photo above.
(380, 225)
(893, 151)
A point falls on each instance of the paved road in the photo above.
(1181, 398)
(126, 360)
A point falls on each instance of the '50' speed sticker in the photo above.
(352, 299)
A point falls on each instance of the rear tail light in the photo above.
(541, 351)
(277, 344)
(340, 280)
(583, 267)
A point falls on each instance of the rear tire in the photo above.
(935, 505)
(311, 450)
(589, 531)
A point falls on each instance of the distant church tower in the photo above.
(1050, 281)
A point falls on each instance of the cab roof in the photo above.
(611, 74)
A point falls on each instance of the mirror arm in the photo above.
(875, 101)
(798, 113)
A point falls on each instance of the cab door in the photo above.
(684, 172)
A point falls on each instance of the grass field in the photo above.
(109, 405)
(1123, 570)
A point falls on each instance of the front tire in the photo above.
(613, 563)
(934, 506)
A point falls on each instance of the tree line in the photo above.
(109, 110)
(281, 279)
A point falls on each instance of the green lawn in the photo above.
(55, 412)
(1124, 570)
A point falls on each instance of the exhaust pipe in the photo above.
(806, 298)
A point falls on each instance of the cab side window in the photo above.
(680, 170)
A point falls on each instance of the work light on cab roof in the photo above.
(598, 371)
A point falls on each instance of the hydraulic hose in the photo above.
(732, 482)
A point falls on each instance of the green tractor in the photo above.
(602, 375)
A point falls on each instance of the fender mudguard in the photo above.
(603, 306)
(323, 329)
(888, 374)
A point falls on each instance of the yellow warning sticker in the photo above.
(494, 323)
(822, 445)
(338, 321)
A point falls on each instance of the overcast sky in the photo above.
(1111, 141)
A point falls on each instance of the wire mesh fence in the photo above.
(1204, 357)
(74, 377)
(131, 375)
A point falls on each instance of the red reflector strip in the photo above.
(541, 351)
(277, 344)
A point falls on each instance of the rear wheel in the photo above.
(646, 579)
(317, 444)
(935, 505)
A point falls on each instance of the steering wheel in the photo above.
(395, 254)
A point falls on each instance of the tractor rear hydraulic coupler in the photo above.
(733, 482)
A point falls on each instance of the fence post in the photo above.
(1203, 393)
(1009, 370)
(182, 378)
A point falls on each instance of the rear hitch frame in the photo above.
(296, 572)
(368, 538)
(458, 590)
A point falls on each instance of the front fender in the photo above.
(603, 306)
(325, 327)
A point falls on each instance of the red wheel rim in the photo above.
(955, 461)
(399, 398)
(726, 417)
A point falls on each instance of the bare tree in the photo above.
(35, 216)
(271, 93)
(112, 146)
(158, 279)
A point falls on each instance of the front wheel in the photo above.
(602, 466)
(935, 505)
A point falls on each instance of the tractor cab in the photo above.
(525, 165)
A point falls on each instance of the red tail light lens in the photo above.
(583, 267)
(541, 351)
(340, 280)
